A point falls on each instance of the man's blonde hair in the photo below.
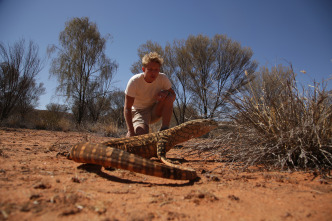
(152, 57)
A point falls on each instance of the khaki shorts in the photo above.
(145, 116)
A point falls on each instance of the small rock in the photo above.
(70, 212)
(215, 178)
(232, 197)
(201, 195)
(42, 186)
(287, 215)
(34, 196)
(76, 180)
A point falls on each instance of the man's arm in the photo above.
(129, 101)
(171, 92)
(165, 93)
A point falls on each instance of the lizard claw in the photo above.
(174, 161)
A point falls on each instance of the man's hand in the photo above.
(162, 95)
(130, 134)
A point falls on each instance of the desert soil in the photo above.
(38, 184)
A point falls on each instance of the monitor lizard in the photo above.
(133, 153)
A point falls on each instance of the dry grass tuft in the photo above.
(277, 125)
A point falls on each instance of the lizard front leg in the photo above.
(161, 152)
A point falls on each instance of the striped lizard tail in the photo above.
(113, 157)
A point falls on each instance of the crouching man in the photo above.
(149, 97)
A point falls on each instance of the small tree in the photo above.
(216, 70)
(83, 70)
(19, 66)
(177, 65)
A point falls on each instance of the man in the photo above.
(149, 97)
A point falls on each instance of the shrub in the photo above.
(277, 125)
(106, 128)
(54, 118)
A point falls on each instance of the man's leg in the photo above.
(141, 119)
(141, 129)
(164, 109)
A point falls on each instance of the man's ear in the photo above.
(143, 69)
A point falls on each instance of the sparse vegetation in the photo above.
(271, 121)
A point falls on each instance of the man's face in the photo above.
(151, 71)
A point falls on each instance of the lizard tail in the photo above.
(112, 157)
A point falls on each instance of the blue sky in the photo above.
(298, 31)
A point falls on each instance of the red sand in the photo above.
(35, 184)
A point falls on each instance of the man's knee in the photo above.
(142, 129)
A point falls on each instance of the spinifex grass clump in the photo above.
(277, 125)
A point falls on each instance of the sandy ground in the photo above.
(36, 184)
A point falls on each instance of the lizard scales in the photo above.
(133, 153)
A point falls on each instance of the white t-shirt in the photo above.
(144, 92)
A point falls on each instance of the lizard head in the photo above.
(200, 127)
